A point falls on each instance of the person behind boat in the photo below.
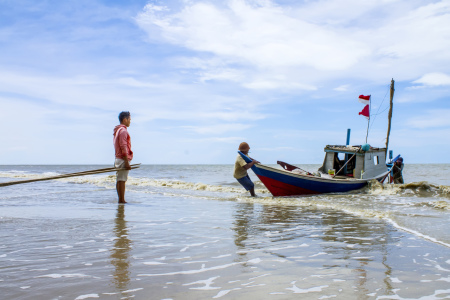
(122, 147)
(241, 167)
(397, 171)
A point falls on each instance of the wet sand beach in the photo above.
(184, 236)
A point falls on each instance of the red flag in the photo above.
(364, 99)
(365, 112)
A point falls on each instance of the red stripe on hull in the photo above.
(280, 189)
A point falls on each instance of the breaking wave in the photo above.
(184, 185)
(418, 189)
(109, 181)
(327, 201)
(383, 201)
(414, 189)
(26, 175)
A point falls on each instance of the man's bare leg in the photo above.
(120, 186)
(252, 192)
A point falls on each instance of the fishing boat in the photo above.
(355, 165)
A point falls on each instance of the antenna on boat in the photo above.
(389, 114)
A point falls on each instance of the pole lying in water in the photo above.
(90, 172)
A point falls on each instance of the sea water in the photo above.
(192, 232)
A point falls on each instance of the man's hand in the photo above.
(127, 165)
(250, 164)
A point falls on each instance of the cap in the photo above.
(243, 146)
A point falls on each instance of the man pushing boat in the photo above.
(397, 170)
(122, 147)
(241, 167)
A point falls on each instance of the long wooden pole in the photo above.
(391, 104)
(90, 172)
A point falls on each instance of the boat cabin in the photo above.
(363, 165)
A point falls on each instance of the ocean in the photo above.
(192, 232)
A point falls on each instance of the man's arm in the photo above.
(250, 164)
(124, 149)
(396, 169)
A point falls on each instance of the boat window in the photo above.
(344, 164)
(375, 160)
(338, 162)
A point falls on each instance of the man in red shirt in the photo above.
(122, 147)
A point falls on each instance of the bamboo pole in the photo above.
(391, 104)
(84, 173)
(104, 170)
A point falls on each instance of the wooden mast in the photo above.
(390, 115)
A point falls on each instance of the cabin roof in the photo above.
(349, 149)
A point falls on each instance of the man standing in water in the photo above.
(122, 147)
(241, 167)
(397, 171)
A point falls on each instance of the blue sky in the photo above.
(199, 77)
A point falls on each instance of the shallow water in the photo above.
(191, 232)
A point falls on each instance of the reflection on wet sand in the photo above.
(357, 241)
(120, 252)
(242, 218)
(241, 226)
(347, 241)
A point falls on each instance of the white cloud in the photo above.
(263, 36)
(217, 129)
(227, 139)
(278, 149)
(149, 100)
(342, 88)
(209, 72)
(423, 30)
(265, 46)
(431, 119)
(434, 79)
(275, 84)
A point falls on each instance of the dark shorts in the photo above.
(246, 182)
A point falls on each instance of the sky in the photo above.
(200, 77)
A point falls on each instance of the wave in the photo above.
(110, 181)
(325, 201)
(26, 175)
(418, 189)
(185, 185)
(353, 203)
(439, 204)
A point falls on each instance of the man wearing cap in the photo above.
(241, 167)
(122, 147)
(397, 171)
